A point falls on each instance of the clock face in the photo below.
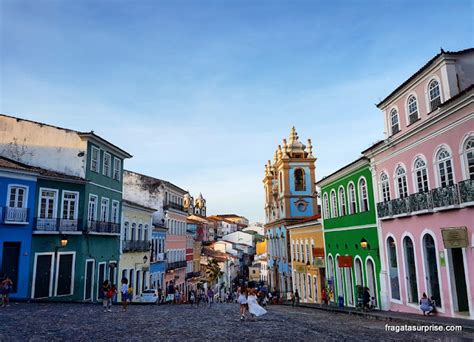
(301, 205)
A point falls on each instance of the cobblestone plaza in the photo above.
(77, 322)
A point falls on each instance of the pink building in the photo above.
(424, 172)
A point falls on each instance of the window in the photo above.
(140, 232)
(469, 158)
(132, 232)
(299, 180)
(394, 123)
(333, 204)
(280, 184)
(92, 208)
(48, 203)
(363, 198)
(307, 251)
(401, 181)
(326, 206)
(69, 205)
(104, 210)
(352, 199)
(445, 168)
(342, 201)
(17, 197)
(95, 153)
(421, 176)
(115, 212)
(125, 232)
(434, 94)
(117, 169)
(412, 109)
(385, 186)
(106, 166)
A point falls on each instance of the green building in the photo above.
(350, 233)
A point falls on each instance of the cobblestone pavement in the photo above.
(85, 322)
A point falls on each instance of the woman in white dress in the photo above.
(242, 300)
(254, 308)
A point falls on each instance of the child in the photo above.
(106, 301)
(6, 287)
(124, 292)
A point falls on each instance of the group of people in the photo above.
(110, 291)
(6, 286)
(247, 299)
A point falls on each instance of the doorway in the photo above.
(89, 281)
(10, 261)
(43, 273)
(458, 280)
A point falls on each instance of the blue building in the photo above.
(290, 197)
(158, 259)
(17, 203)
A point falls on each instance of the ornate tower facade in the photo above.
(289, 184)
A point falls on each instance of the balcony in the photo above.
(15, 215)
(103, 227)
(420, 201)
(448, 197)
(466, 191)
(158, 257)
(171, 205)
(190, 275)
(445, 197)
(176, 264)
(56, 225)
(135, 245)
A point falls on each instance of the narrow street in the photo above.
(77, 322)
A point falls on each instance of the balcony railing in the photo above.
(171, 205)
(157, 257)
(57, 225)
(445, 197)
(15, 215)
(466, 191)
(190, 275)
(103, 227)
(176, 264)
(420, 201)
(136, 246)
(439, 198)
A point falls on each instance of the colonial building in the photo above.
(350, 233)
(157, 256)
(307, 258)
(424, 176)
(289, 197)
(76, 230)
(135, 254)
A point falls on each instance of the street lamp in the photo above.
(145, 259)
(64, 241)
(364, 243)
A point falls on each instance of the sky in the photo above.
(202, 92)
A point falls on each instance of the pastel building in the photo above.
(424, 177)
(289, 184)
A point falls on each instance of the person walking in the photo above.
(104, 295)
(366, 299)
(124, 293)
(192, 298)
(242, 300)
(6, 287)
(297, 298)
(324, 297)
(253, 307)
(210, 296)
(292, 298)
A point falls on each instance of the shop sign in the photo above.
(318, 252)
(455, 237)
(345, 261)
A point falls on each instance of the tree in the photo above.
(213, 271)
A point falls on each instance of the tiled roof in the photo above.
(423, 68)
(12, 164)
(156, 181)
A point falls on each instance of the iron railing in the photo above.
(176, 264)
(135, 245)
(56, 225)
(103, 227)
(15, 215)
(171, 205)
(466, 191)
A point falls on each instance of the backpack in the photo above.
(110, 293)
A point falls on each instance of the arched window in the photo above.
(125, 231)
(326, 206)
(358, 272)
(371, 282)
(331, 275)
(412, 109)
(352, 199)
(445, 168)
(363, 198)
(393, 268)
(140, 232)
(421, 176)
(431, 267)
(401, 180)
(469, 158)
(434, 94)
(342, 201)
(333, 204)
(410, 270)
(394, 122)
(385, 186)
(132, 232)
(145, 233)
(299, 180)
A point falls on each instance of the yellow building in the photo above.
(261, 247)
(307, 259)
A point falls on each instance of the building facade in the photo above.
(289, 197)
(307, 259)
(424, 172)
(350, 233)
(136, 237)
(157, 257)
